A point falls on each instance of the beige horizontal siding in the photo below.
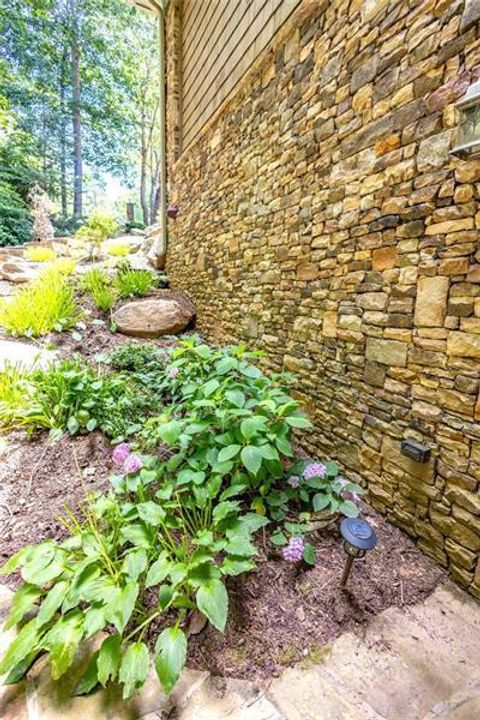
(221, 40)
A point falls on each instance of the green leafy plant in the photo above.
(70, 397)
(40, 254)
(137, 357)
(45, 304)
(132, 283)
(147, 554)
(98, 284)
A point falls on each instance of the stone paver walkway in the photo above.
(415, 663)
(24, 355)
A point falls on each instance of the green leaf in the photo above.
(40, 564)
(18, 672)
(151, 513)
(212, 600)
(137, 534)
(331, 469)
(348, 508)
(134, 668)
(227, 453)
(224, 509)
(298, 421)
(170, 432)
(120, 611)
(95, 621)
(309, 554)
(15, 560)
(252, 425)
(89, 679)
(278, 539)
(25, 643)
(158, 571)
(52, 602)
(321, 501)
(22, 601)
(204, 537)
(210, 387)
(236, 397)
(135, 562)
(225, 365)
(252, 458)
(62, 641)
(109, 659)
(170, 656)
(236, 565)
(284, 447)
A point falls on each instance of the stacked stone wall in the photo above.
(324, 221)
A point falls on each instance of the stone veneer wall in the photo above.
(323, 221)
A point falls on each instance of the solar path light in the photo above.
(358, 537)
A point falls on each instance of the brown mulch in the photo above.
(281, 614)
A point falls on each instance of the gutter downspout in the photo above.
(158, 252)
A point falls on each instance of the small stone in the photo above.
(471, 14)
(433, 152)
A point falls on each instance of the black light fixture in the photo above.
(358, 537)
(172, 211)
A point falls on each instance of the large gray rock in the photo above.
(165, 314)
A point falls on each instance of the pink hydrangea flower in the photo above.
(120, 453)
(173, 373)
(293, 481)
(316, 469)
(133, 464)
(293, 552)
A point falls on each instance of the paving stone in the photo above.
(24, 355)
(219, 699)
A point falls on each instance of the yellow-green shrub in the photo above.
(118, 249)
(40, 254)
(64, 266)
(45, 304)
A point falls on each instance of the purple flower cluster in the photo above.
(122, 456)
(293, 481)
(173, 373)
(293, 552)
(316, 469)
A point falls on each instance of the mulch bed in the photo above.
(280, 614)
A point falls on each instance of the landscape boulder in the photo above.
(167, 313)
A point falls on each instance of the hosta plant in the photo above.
(141, 557)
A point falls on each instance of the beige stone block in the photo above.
(449, 226)
(453, 266)
(373, 301)
(387, 352)
(329, 327)
(462, 344)
(431, 302)
(391, 453)
(307, 271)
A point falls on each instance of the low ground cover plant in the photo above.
(72, 397)
(40, 254)
(45, 304)
(134, 283)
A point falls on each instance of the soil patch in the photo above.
(282, 614)
(38, 479)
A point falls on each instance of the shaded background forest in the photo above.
(78, 110)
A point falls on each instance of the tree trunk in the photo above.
(76, 117)
(63, 135)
